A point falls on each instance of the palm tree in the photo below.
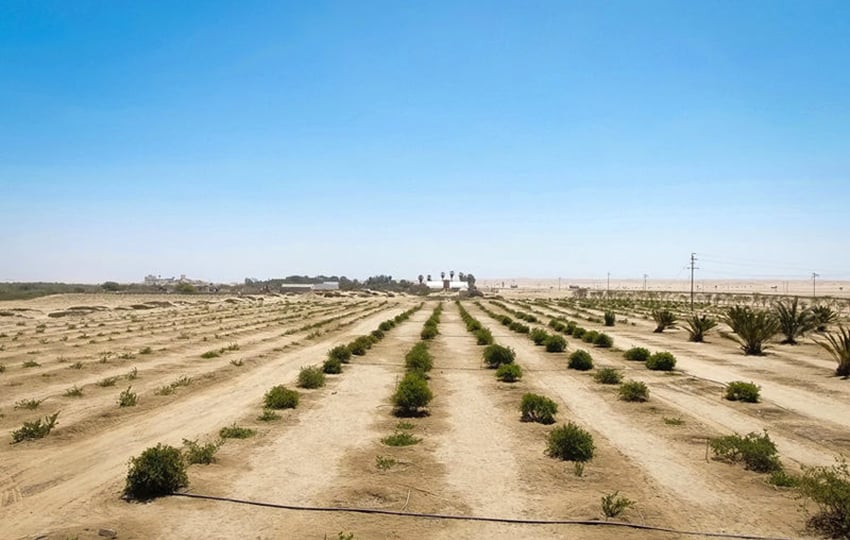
(421, 277)
(838, 345)
(698, 327)
(442, 275)
(429, 277)
(824, 316)
(461, 276)
(452, 274)
(663, 319)
(752, 328)
(794, 322)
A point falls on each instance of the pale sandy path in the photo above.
(59, 487)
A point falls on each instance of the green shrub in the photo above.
(146, 350)
(757, 452)
(570, 328)
(127, 398)
(411, 395)
(742, 391)
(570, 443)
(211, 354)
(509, 373)
(590, 336)
(555, 344)
(580, 360)
(537, 408)
(74, 391)
(429, 332)
(634, 391)
(661, 361)
(400, 438)
(519, 328)
(280, 397)
(483, 336)
(607, 376)
(311, 377)
(829, 489)
(158, 471)
(613, 505)
(35, 430)
(341, 353)
(28, 403)
(824, 316)
(781, 478)
(386, 326)
(603, 341)
(496, 355)
(377, 334)
(359, 346)
(418, 358)
(664, 319)
(332, 366)
(578, 332)
(538, 336)
(637, 354)
(235, 432)
(108, 381)
(268, 416)
(610, 318)
(838, 346)
(30, 364)
(203, 454)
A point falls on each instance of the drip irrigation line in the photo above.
(454, 517)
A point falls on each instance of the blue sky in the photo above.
(262, 139)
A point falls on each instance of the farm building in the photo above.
(447, 285)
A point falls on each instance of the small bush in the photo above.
(757, 452)
(610, 318)
(127, 398)
(580, 360)
(133, 374)
(578, 332)
(509, 373)
(829, 489)
(268, 416)
(311, 377)
(146, 350)
(429, 332)
(203, 454)
(418, 358)
(386, 326)
(158, 471)
(496, 355)
(235, 432)
(661, 361)
(30, 364)
(673, 420)
(637, 354)
(781, 478)
(519, 328)
(538, 336)
(236, 362)
(607, 376)
(385, 463)
(211, 354)
(613, 505)
(341, 353)
(74, 391)
(603, 341)
(570, 443)
(28, 404)
(332, 366)
(377, 334)
(280, 397)
(555, 344)
(411, 395)
(483, 336)
(400, 438)
(108, 381)
(634, 391)
(359, 346)
(742, 391)
(590, 336)
(536, 408)
(35, 430)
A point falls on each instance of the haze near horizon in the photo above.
(543, 139)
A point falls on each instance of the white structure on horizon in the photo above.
(438, 285)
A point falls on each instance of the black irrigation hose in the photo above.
(514, 521)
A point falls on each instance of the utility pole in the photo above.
(693, 267)
(644, 281)
(815, 276)
(608, 287)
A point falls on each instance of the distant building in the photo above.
(326, 286)
(447, 285)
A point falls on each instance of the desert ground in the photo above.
(474, 456)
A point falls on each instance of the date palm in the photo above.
(698, 327)
(663, 319)
(824, 316)
(752, 328)
(794, 321)
(838, 345)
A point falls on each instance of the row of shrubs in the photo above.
(571, 328)
(659, 361)
(412, 393)
(161, 470)
(483, 336)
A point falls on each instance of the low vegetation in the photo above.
(664, 319)
(280, 397)
(661, 361)
(509, 373)
(310, 377)
(637, 354)
(127, 398)
(200, 453)
(400, 438)
(37, 429)
(158, 471)
(613, 504)
(555, 344)
(412, 395)
(829, 489)
(757, 452)
(235, 432)
(698, 326)
(742, 391)
(580, 360)
(607, 376)
(635, 391)
(570, 443)
(496, 355)
(794, 320)
(752, 328)
(537, 408)
(838, 346)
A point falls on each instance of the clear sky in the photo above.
(227, 140)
